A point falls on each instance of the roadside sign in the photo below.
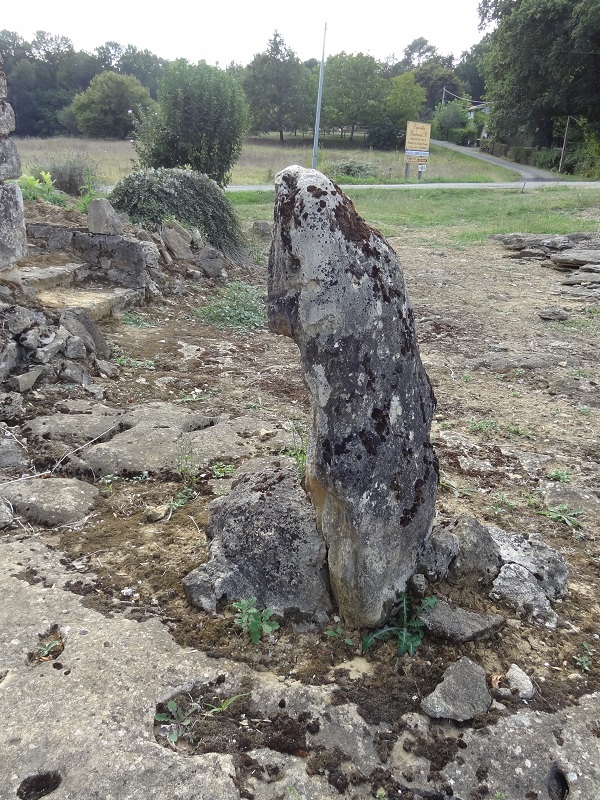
(415, 160)
(417, 139)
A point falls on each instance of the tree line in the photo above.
(536, 68)
(57, 90)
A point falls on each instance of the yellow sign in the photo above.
(417, 139)
(415, 160)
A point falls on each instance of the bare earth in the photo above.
(518, 401)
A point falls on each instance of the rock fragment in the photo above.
(264, 544)
(462, 694)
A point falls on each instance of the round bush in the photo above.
(151, 196)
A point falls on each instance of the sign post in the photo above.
(417, 146)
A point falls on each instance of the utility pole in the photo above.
(564, 147)
(319, 98)
(443, 95)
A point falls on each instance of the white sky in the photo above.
(229, 30)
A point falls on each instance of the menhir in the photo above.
(336, 288)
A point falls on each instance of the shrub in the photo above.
(71, 172)
(152, 196)
(353, 168)
(41, 189)
(199, 123)
(385, 135)
(464, 136)
(547, 158)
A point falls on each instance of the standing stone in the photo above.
(336, 288)
(13, 237)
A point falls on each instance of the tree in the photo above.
(418, 52)
(470, 68)
(277, 88)
(435, 77)
(143, 65)
(542, 66)
(353, 91)
(200, 121)
(448, 116)
(405, 100)
(109, 106)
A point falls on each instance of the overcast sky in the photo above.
(221, 31)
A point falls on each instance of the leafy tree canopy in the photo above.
(543, 64)
(110, 105)
(200, 121)
(279, 89)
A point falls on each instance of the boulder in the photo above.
(78, 323)
(264, 543)
(459, 624)
(336, 287)
(102, 218)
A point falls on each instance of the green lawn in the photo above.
(466, 215)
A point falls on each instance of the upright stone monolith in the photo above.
(13, 237)
(336, 288)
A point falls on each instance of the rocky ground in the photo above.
(516, 433)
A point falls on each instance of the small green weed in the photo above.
(466, 378)
(584, 662)
(177, 719)
(563, 513)
(298, 450)
(41, 188)
(502, 504)
(181, 498)
(211, 710)
(198, 396)
(253, 622)
(339, 633)
(238, 306)
(484, 426)
(511, 429)
(455, 489)
(584, 411)
(43, 651)
(560, 475)
(134, 363)
(578, 372)
(187, 466)
(220, 470)
(405, 626)
(136, 320)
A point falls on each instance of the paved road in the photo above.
(526, 172)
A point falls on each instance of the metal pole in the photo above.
(564, 147)
(319, 98)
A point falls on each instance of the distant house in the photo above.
(485, 109)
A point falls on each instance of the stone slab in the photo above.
(51, 501)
